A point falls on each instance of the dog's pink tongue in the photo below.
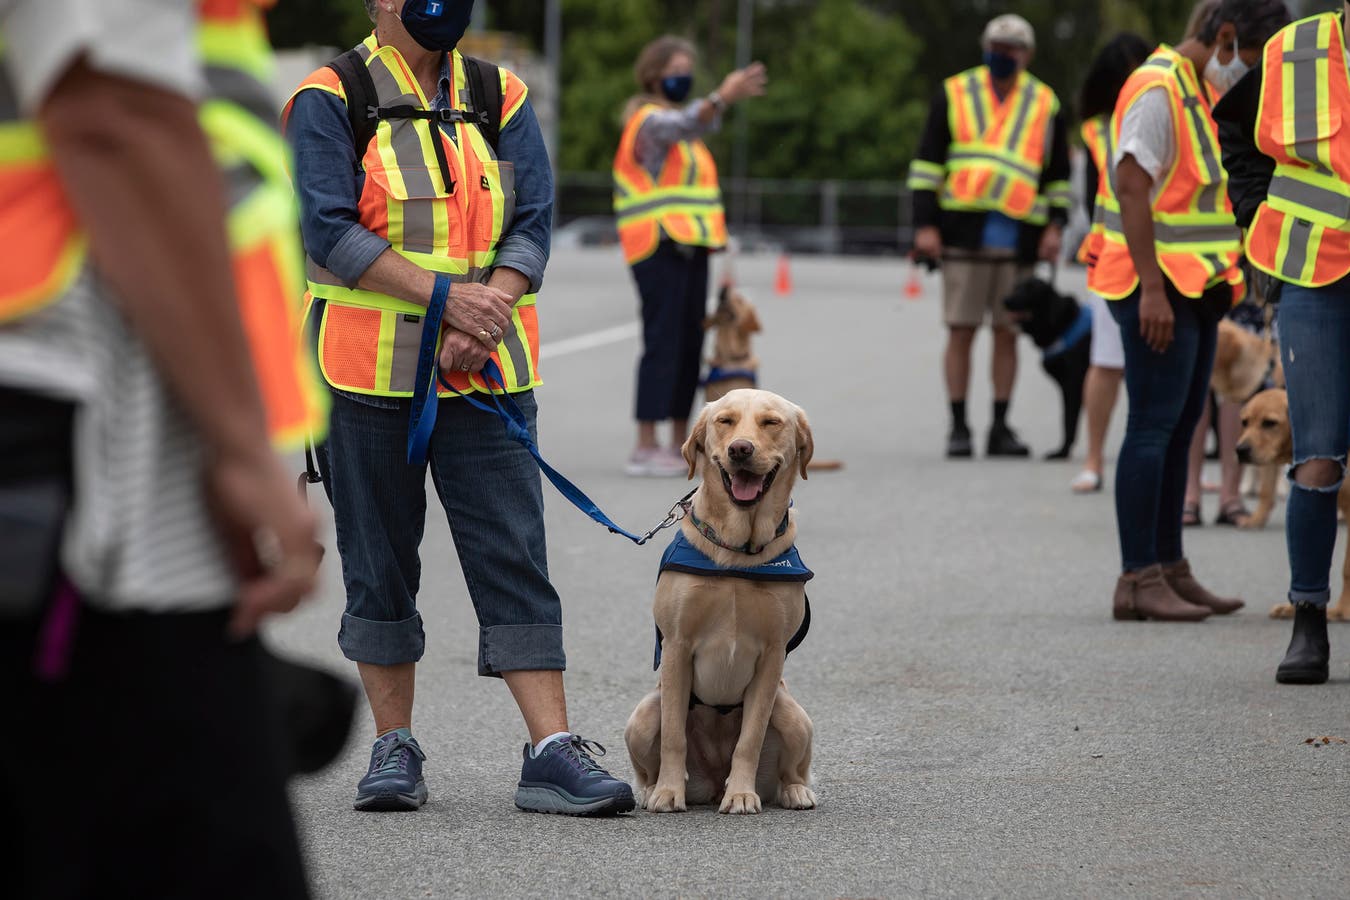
(746, 485)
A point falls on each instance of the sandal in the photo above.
(1233, 514)
(1086, 482)
(1190, 515)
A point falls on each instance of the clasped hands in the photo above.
(474, 321)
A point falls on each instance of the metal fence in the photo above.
(802, 216)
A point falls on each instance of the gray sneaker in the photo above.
(566, 779)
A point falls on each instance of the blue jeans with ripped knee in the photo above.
(1315, 351)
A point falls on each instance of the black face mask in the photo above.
(1001, 65)
(676, 87)
(437, 24)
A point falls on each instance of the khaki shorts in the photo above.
(975, 284)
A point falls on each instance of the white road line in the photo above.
(590, 341)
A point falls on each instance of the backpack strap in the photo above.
(361, 99)
(485, 93)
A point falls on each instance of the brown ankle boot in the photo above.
(1145, 594)
(1178, 577)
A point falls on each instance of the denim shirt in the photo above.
(328, 191)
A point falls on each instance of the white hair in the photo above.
(372, 8)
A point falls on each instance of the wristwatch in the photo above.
(718, 103)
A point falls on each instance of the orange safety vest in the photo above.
(44, 247)
(37, 220)
(369, 342)
(684, 201)
(1196, 242)
(1301, 232)
(1097, 139)
(239, 118)
(998, 151)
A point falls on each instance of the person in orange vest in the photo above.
(148, 523)
(427, 230)
(1167, 261)
(1289, 179)
(1096, 101)
(668, 209)
(991, 196)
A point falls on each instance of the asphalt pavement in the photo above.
(982, 727)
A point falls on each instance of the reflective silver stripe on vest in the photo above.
(243, 90)
(977, 102)
(1311, 196)
(1296, 249)
(1166, 233)
(9, 102)
(1307, 102)
(959, 156)
(1015, 136)
(648, 206)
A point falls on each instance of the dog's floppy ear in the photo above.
(806, 444)
(750, 324)
(693, 445)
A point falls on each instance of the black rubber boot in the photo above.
(959, 444)
(1003, 442)
(1305, 662)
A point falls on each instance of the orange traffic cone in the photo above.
(913, 288)
(782, 283)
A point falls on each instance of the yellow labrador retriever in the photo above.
(721, 726)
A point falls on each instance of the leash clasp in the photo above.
(676, 513)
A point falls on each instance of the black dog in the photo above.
(1063, 331)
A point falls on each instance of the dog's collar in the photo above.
(747, 548)
(1081, 327)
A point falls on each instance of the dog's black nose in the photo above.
(740, 450)
(1244, 454)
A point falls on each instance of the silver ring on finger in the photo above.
(464, 367)
(496, 331)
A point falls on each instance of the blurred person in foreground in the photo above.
(149, 525)
(447, 202)
(1167, 260)
(991, 197)
(1096, 101)
(1289, 165)
(668, 206)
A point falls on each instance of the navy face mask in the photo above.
(437, 24)
(676, 87)
(1001, 65)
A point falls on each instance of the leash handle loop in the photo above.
(422, 418)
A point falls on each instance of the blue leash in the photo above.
(423, 417)
(423, 420)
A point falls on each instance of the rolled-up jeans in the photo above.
(490, 489)
(1315, 352)
(1167, 394)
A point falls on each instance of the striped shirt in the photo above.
(138, 537)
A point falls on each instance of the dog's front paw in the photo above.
(1282, 611)
(796, 796)
(660, 799)
(742, 803)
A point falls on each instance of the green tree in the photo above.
(839, 103)
(329, 23)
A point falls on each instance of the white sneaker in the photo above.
(655, 462)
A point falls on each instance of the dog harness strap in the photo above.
(1081, 328)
